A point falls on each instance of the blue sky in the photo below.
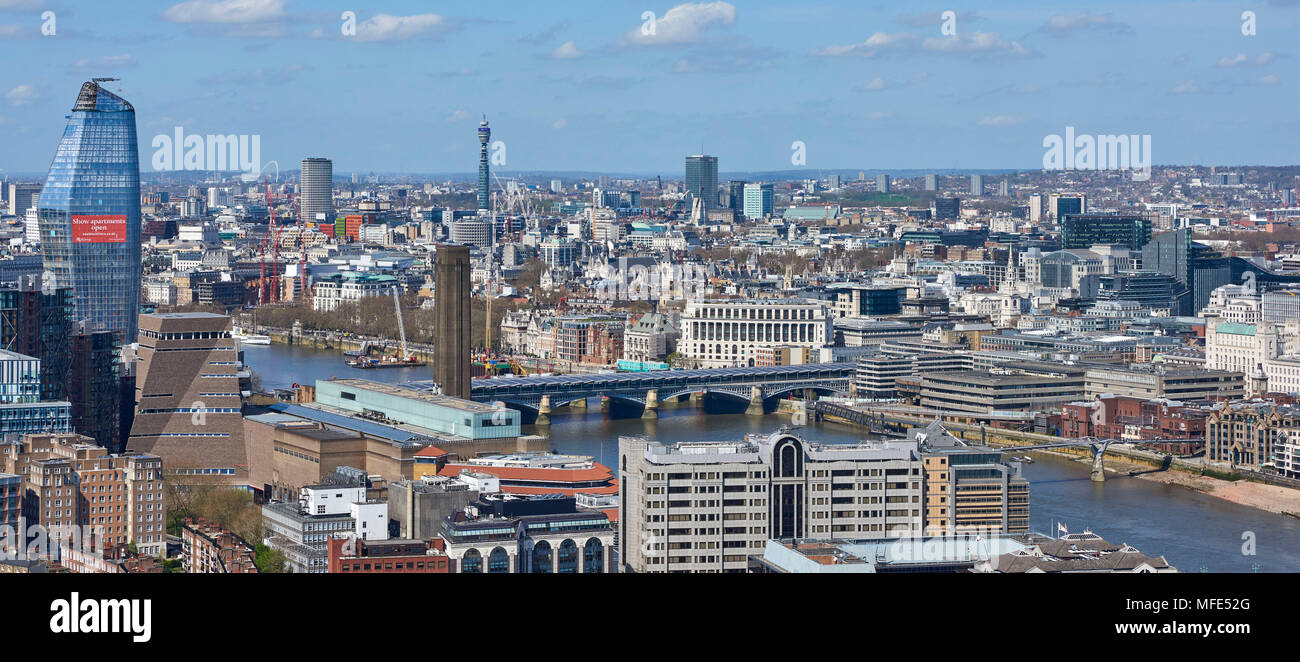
(576, 85)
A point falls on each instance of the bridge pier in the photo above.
(544, 411)
(651, 405)
(604, 403)
(755, 402)
(1098, 471)
(580, 403)
(697, 397)
(800, 414)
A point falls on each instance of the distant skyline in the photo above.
(582, 87)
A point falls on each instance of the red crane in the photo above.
(272, 235)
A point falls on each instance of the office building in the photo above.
(736, 195)
(38, 323)
(1149, 289)
(1249, 434)
(969, 489)
(987, 391)
(95, 387)
(419, 506)
(946, 209)
(1082, 230)
(1152, 381)
(707, 506)
(188, 404)
(90, 212)
(484, 181)
(452, 310)
(533, 534)
(759, 201)
(23, 196)
(302, 530)
(702, 178)
(316, 203)
(728, 334)
(349, 555)
(1058, 204)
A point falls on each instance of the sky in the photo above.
(624, 86)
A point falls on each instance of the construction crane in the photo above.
(272, 236)
(401, 326)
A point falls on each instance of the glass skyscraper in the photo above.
(702, 178)
(89, 212)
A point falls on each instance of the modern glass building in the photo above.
(702, 178)
(1085, 230)
(758, 200)
(89, 212)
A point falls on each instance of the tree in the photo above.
(268, 560)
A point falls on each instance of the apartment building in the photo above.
(723, 334)
(209, 549)
(71, 482)
(707, 506)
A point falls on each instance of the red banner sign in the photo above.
(98, 229)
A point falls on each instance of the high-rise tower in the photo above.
(702, 178)
(89, 212)
(317, 190)
(484, 137)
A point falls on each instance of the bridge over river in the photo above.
(757, 386)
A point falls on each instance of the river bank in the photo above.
(1269, 498)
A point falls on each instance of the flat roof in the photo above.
(416, 394)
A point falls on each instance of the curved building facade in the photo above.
(89, 212)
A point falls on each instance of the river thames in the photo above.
(1193, 531)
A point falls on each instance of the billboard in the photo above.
(98, 228)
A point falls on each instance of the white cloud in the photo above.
(21, 5)
(684, 66)
(903, 43)
(683, 24)
(874, 44)
(1000, 120)
(22, 95)
(560, 124)
(568, 51)
(458, 116)
(974, 42)
(1186, 88)
(10, 31)
(385, 27)
(1266, 80)
(1241, 59)
(225, 11)
(1061, 24)
(876, 83)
